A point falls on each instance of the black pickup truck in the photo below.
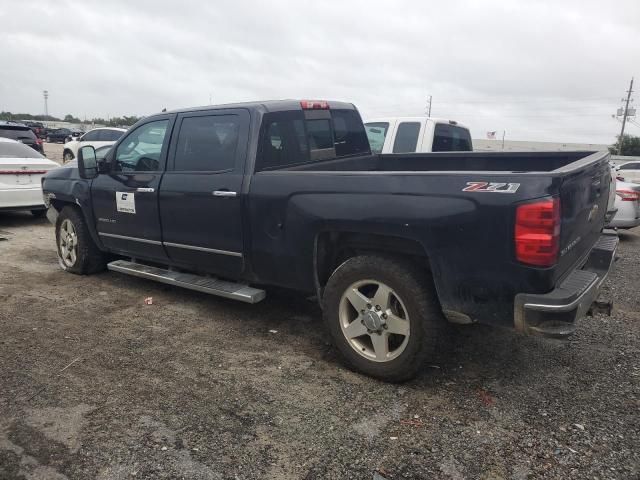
(234, 199)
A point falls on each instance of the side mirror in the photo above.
(87, 163)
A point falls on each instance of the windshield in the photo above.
(376, 133)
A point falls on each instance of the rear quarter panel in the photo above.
(468, 236)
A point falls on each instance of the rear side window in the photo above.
(406, 137)
(207, 143)
(449, 138)
(350, 136)
(108, 135)
(376, 133)
(284, 141)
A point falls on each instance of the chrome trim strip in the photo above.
(134, 239)
(203, 249)
(224, 193)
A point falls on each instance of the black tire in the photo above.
(415, 288)
(48, 139)
(89, 258)
(39, 213)
(67, 156)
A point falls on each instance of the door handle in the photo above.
(145, 190)
(224, 193)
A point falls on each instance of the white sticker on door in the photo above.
(125, 202)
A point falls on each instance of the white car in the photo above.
(417, 134)
(98, 137)
(628, 206)
(21, 171)
(630, 171)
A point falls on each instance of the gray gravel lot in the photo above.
(96, 384)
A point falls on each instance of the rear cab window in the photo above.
(451, 138)
(297, 137)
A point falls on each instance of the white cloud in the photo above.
(544, 70)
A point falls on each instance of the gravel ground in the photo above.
(96, 384)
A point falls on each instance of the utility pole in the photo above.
(429, 106)
(45, 93)
(624, 116)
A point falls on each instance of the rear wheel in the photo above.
(48, 139)
(383, 315)
(77, 252)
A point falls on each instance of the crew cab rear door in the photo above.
(201, 194)
(125, 200)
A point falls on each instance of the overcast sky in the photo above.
(541, 70)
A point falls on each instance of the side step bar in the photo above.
(213, 286)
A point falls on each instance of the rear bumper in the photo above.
(554, 314)
(25, 198)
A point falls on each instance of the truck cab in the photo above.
(417, 135)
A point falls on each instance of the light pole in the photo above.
(45, 93)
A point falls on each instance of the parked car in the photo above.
(627, 206)
(629, 172)
(98, 137)
(76, 133)
(21, 171)
(288, 194)
(417, 134)
(58, 135)
(37, 128)
(22, 133)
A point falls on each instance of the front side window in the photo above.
(630, 166)
(207, 143)
(376, 133)
(91, 136)
(449, 138)
(140, 151)
(406, 137)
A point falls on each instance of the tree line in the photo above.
(111, 122)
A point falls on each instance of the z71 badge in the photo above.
(491, 187)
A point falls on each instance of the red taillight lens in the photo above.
(39, 141)
(537, 232)
(314, 105)
(628, 195)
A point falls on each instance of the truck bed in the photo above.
(519, 162)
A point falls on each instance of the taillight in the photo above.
(314, 105)
(628, 195)
(537, 232)
(39, 141)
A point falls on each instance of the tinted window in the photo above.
(406, 137)
(630, 166)
(17, 150)
(140, 151)
(112, 135)
(376, 133)
(91, 136)
(283, 141)
(349, 135)
(207, 143)
(319, 132)
(449, 138)
(17, 133)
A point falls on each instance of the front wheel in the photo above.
(67, 157)
(383, 315)
(77, 252)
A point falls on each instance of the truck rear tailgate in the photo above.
(584, 195)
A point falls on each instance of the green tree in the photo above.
(71, 119)
(630, 146)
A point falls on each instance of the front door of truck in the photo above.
(125, 200)
(201, 194)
